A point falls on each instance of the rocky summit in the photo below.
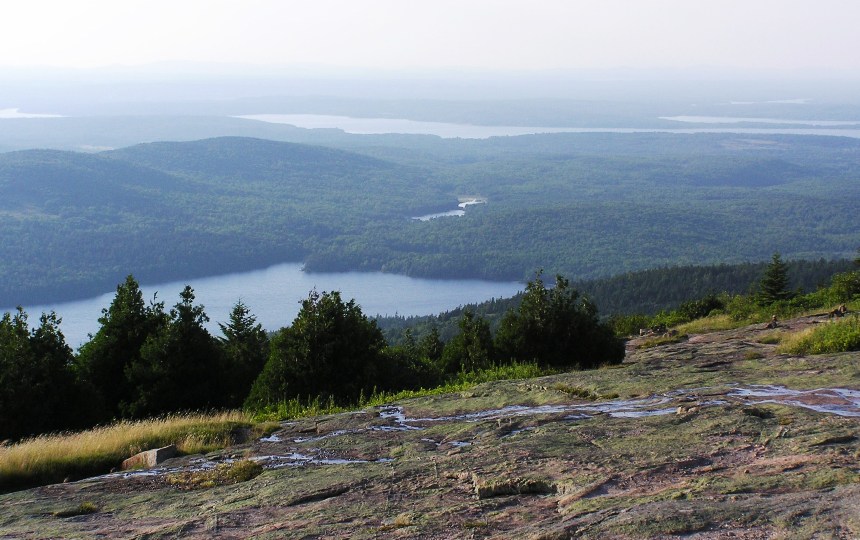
(706, 436)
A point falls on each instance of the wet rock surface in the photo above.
(700, 439)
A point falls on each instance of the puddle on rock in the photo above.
(296, 459)
(838, 401)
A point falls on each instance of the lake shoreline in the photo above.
(274, 294)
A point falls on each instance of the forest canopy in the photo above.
(583, 205)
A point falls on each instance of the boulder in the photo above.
(149, 458)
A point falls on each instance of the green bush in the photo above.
(557, 327)
(629, 325)
(696, 309)
(837, 336)
(845, 287)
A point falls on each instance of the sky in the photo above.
(786, 35)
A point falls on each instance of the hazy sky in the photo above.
(492, 34)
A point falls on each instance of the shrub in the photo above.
(629, 325)
(557, 327)
(696, 309)
(837, 336)
(844, 287)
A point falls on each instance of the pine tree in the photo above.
(331, 350)
(179, 367)
(773, 286)
(38, 389)
(246, 347)
(472, 348)
(125, 326)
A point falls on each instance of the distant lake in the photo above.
(377, 126)
(15, 113)
(273, 295)
(753, 120)
(369, 126)
(459, 212)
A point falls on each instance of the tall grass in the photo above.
(54, 458)
(836, 336)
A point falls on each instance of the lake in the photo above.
(754, 120)
(273, 295)
(459, 212)
(16, 113)
(370, 126)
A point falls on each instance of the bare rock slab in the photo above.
(149, 458)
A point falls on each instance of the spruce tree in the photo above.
(125, 326)
(331, 350)
(472, 348)
(179, 367)
(773, 286)
(246, 347)
(38, 389)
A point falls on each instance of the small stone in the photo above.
(149, 458)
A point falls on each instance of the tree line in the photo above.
(147, 360)
(644, 294)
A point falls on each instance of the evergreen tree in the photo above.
(179, 367)
(331, 349)
(556, 327)
(407, 365)
(431, 346)
(245, 346)
(125, 327)
(470, 350)
(38, 389)
(773, 286)
(17, 378)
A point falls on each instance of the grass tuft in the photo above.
(82, 509)
(223, 474)
(772, 338)
(663, 340)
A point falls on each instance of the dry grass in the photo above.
(56, 457)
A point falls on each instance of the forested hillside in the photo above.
(584, 205)
(644, 292)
